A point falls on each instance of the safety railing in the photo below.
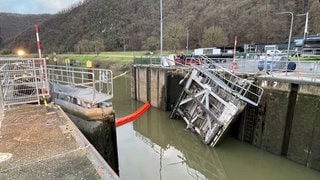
(244, 89)
(293, 69)
(87, 85)
(23, 80)
(266, 66)
(147, 60)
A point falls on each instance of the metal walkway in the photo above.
(212, 98)
(85, 87)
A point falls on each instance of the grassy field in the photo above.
(116, 56)
(119, 57)
(127, 57)
(114, 59)
(305, 58)
(111, 60)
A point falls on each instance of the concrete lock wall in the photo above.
(288, 122)
(273, 120)
(158, 85)
(304, 146)
(140, 87)
(102, 135)
(148, 84)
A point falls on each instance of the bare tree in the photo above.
(151, 44)
(174, 34)
(314, 26)
(214, 37)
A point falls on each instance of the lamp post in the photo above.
(305, 28)
(161, 30)
(290, 33)
(187, 47)
(306, 24)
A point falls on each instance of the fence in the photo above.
(23, 80)
(81, 84)
(146, 60)
(294, 69)
(274, 66)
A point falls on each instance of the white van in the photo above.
(272, 52)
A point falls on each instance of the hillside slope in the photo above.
(98, 25)
(12, 25)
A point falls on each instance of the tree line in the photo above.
(105, 25)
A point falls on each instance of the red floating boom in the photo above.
(133, 116)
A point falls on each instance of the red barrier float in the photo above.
(133, 116)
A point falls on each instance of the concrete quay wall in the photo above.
(286, 122)
(158, 85)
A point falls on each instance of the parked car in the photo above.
(276, 63)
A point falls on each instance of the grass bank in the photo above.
(118, 57)
(315, 58)
(116, 61)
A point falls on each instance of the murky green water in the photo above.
(156, 147)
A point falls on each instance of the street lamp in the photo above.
(289, 41)
(305, 28)
(20, 53)
(187, 41)
(306, 24)
(161, 29)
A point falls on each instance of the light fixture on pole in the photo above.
(20, 53)
(306, 24)
(290, 33)
(305, 33)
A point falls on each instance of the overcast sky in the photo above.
(35, 6)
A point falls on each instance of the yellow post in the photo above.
(55, 60)
(89, 64)
(67, 60)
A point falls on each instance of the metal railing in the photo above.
(23, 80)
(248, 63)
(146, 60)
(304, 70)
(88, 85)
(244, 89)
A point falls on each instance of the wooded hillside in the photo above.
(99, 25)
(12, 25)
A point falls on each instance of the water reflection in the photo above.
(156, 147)
(172, 138)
